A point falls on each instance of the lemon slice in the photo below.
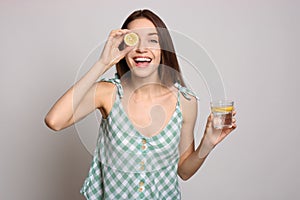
(222, 109)
(131, 39)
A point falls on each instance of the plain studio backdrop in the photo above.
(254, 45)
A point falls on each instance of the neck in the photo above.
(145, 87)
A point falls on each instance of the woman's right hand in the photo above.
(111, 54)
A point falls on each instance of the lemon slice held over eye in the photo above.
(131, 39)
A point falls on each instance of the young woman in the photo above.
(146, 133)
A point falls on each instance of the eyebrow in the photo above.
(152, 34)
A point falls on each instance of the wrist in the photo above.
(102, 66)
(205, 148)
(102, 63)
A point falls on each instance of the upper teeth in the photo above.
(142, 59)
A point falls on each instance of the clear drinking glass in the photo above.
(222, 111)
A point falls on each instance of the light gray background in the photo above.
(255, 45)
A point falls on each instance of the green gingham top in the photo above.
(128, 165)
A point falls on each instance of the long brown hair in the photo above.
(169, 70)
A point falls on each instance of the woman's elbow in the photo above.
(184, 176)
(52, 123)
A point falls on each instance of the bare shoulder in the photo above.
(189, 107)
(105, 88)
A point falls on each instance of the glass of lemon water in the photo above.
(222, 111)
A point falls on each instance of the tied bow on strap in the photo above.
(185, 91)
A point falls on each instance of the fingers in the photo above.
(113, 50)
(234, 119)
(227, 130)
(209, 120)
(233, 126)
(116, 37)
(118, 32)
(233, 112)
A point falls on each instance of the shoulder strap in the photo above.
(185, 91)
(117, 82)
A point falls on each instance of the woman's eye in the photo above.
(154, 41)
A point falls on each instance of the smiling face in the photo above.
(144, 59)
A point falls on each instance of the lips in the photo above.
(142, 61)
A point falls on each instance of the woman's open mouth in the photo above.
(142, 61)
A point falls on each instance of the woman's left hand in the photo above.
(214, 136)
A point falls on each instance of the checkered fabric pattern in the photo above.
(128, 165)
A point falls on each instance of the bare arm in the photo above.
(191, 159)
(77, 102)
(84, 96)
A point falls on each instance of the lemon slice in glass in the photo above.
(131, 39)
(222, 109)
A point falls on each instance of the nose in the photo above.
(141, 47)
